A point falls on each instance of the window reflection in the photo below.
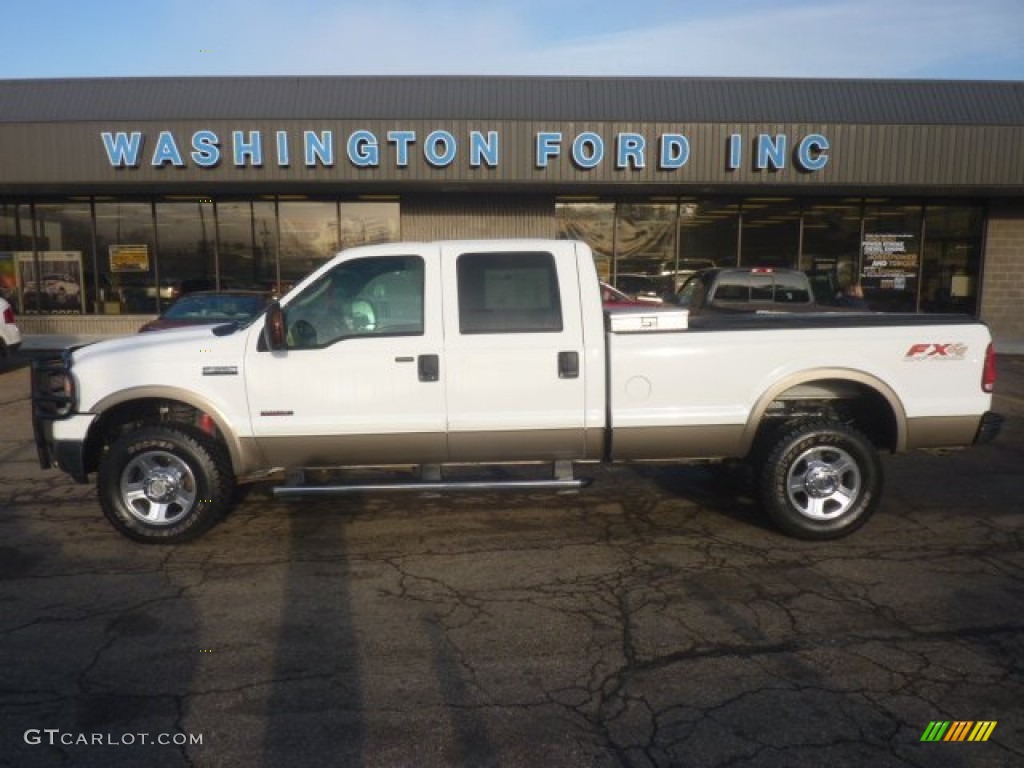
(908, 255)
(127, 272)
(891, 256)
(709, 231)
(368, 223)
(52, 278)
(771, 232)
(952, 259)
(247, 245)
(309, 236)
(592, 223)
(186, 233)
(831, 245)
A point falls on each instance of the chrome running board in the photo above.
(432, 482)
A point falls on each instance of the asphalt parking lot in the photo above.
(652, 620)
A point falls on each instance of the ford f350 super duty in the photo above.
(429, 355)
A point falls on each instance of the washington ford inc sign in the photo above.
(441, 148)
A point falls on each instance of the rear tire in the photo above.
(164, 484)
(820, 480)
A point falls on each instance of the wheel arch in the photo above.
(162, 404)
(837, 383)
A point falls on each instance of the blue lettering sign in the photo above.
(205, 149)
(363, 151)
(810, 153)
(630, 149)
(446, 142)
(122, 149)
(588, 150)
(549, 144)
(282, 149)
(166, 151)
(483, 149)
(771, 152)
(251, 149)
(735, 152)
(402, 140)
(675, 151)
(318, 148)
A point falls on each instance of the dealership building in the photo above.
(118, 194)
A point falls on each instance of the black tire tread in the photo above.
(214, 471)
(773, 471)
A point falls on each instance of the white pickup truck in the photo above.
(429, 355)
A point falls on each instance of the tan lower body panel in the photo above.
(469, 447)
(353, 450)
(699, 442)
(526, 445)
(942, 431)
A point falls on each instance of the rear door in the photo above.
(515, 379)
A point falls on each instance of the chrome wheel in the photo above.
(820, 479)
(823, 483)
(158, 488)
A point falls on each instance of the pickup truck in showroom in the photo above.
(432, 356)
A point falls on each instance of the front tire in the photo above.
(820, 480)
(164, 485)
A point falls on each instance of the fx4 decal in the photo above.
(919, 352)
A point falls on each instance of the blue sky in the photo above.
(954, 39)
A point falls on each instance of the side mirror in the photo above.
(273, 327)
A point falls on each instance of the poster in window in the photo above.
(889, 259)
(129, 258)
(50, 282)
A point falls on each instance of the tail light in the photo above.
(988, 374)
(9, 316)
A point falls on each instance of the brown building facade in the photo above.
(118, 194)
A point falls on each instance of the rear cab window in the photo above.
(514, 292)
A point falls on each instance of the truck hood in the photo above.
(172, 341)
(165, 360)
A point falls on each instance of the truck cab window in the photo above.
(380, 296)
(508, 293)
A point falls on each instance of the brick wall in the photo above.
(1002, 298)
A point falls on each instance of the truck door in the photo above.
(360, 381)
(514, 378)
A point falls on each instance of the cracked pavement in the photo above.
(655, 619)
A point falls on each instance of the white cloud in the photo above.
(785, 38)
(845, 38)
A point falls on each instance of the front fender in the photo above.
(245, 455)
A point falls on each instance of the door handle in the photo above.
(428, 367)
(568, 365)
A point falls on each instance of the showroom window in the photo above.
(128, 273)
(247, 244)
(186, 245)
(891, 255)
(15, 238)
(831, 243)
(709, 232)
(951, 265)
(57, 277)
(366, 223)
(594, 224)
(771, 232)
(308, 237)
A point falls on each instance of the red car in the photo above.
(613, 297)
(210, 308)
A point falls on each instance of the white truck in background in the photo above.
(490, 352)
